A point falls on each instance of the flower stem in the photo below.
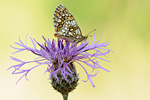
(65, 96)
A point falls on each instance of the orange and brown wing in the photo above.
(65, 24)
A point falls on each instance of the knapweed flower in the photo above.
(60, 58)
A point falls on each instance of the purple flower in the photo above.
(63, 53)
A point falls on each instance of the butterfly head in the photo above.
(84, 38)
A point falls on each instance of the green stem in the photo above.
(65, 96)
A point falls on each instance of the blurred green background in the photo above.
(124, 23)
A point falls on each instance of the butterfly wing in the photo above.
(65, 24)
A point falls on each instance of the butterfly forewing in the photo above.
(65, 25)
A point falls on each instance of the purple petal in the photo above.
(93, 39)
(33, 43)
(13, 58)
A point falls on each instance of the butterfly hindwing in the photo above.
(65, 25)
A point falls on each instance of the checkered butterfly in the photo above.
(66, 26)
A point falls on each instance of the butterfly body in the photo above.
(66, 26)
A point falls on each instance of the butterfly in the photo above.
(65, 26)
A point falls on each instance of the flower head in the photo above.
(60, 57)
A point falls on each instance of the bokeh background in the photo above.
(124, 23)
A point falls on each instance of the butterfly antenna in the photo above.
(90, 32)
